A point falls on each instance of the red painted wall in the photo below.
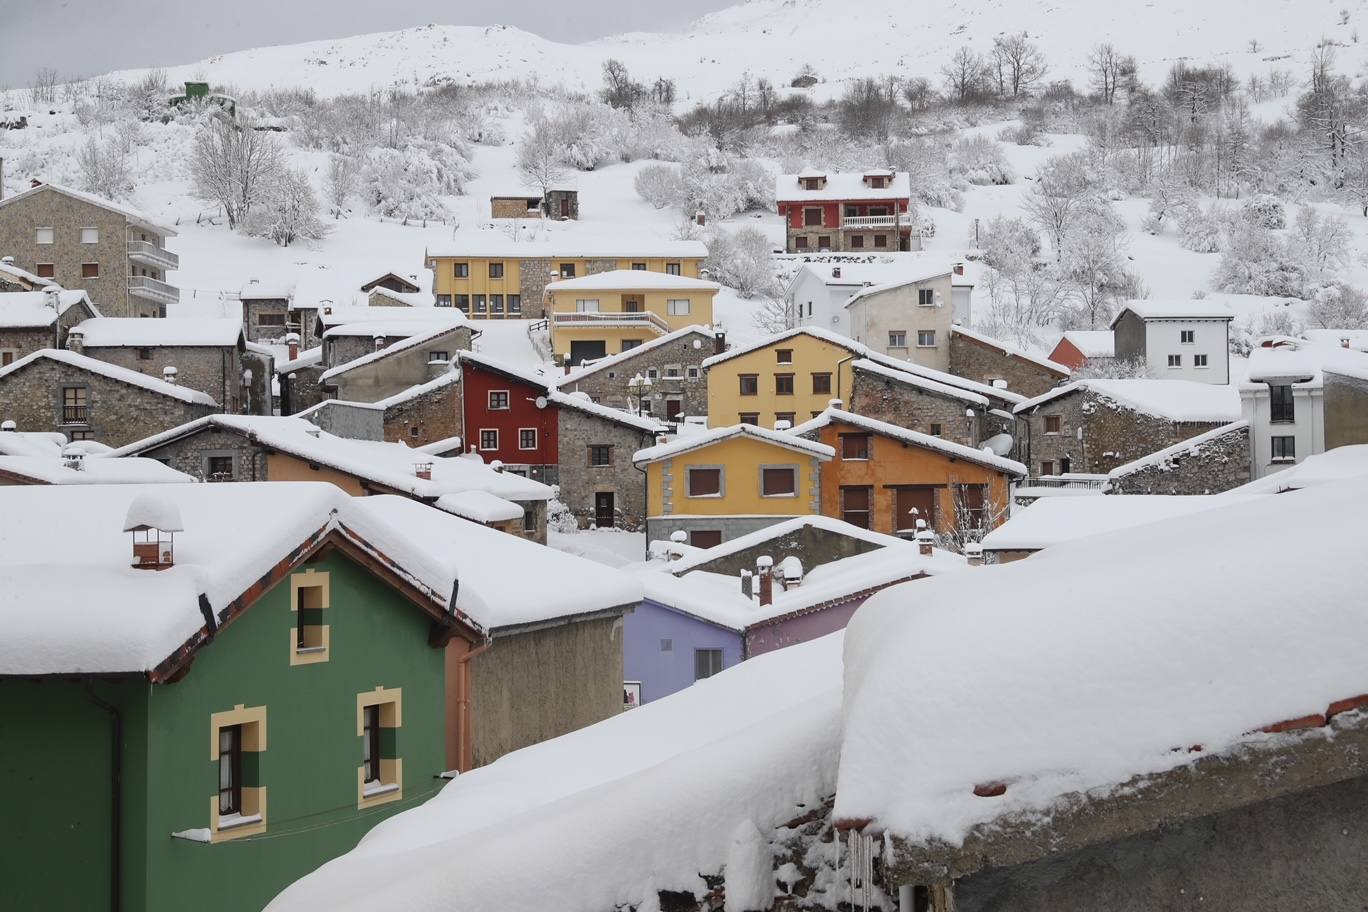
(522, 412)
(1067, 353)
(831, 211)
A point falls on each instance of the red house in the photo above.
(1079, 346)
(508, 415)
(846, 211)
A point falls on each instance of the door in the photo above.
(587, 350)
(672, 408)
(603, 509)
(910, 505)
(565, 207)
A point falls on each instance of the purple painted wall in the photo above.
(661, 672)
(800, 629)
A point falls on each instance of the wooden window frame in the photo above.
(721, 491)
(481, 438)
(608, 451)
(754, 384)
(522, 438)
(825, 387)
(793, 469)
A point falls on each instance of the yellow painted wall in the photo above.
(479, 282)
(654, 301)
(282, 467)
(741, 458)
(810, 355)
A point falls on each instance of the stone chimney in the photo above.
(8, 426)
(973, 554)
(169, 374)
(747, 584)
(379, 343)
(764, 568)
(958, 269)
(700, 218)
(835, 272)
(926, 539)
(75, 340)
(292, 340)
(719, 343)
(423, 470)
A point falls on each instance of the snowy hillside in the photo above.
(773, 38)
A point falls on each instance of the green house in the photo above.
(208, 690)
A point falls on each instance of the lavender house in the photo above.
(707, 609)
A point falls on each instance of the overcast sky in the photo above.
(87, 37)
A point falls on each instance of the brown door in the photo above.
(672, 409)
(855, 505)
(705, 538)
(603, 509)
(912, 504)
(565, 207)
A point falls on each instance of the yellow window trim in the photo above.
(391, 703)
(253, 721)
(311, 580)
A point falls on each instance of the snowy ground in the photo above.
(614, 547)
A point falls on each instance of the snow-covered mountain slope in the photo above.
(773, 38)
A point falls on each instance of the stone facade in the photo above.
(514, 207)
(428, 416)
(301, 389)
(1346, 410)
(395, 372)
(914, 407)
(1111, 434)
(18, 341)
(812, 546)
(1216, 464)
(581, 484)
(534, 274)
(115, 413)
(674, 368)
(974, 359)
(213, 370)
(348, 419)
(270, 320)
(191, 454)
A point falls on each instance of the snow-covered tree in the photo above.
(1200, 232)
(539, 160)
(1338, 306)
(232, 166)
(287, 211)
(659, 185)
(104, 168)
(340, 182)
(1264, 211)
(1322, 241)
(1093, 264)
(403, 185)
(1114, 369)
(1261, 263)
(741, 260)
(1063, 186)
(979, 160)
(1017, 64)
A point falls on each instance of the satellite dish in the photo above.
(998, 444)
(835, 318)
(698, 343)
(541, 402)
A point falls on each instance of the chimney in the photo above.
(52, 297)
(35, 182)
(379, 343)
(75, 340)
(423, 470)
(719, 343)
(154, 522)
(747, 584)
(292, 340)
(7, 260)
(700, 218)
(973, 554)
(8, 426)
(835, 272)
(790, 573)
(1344, 343)
(169, 374)
(764, 568)
(958, 269)
(925, 538)
(74, 460)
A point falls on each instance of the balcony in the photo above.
(597, 319)
(75, 414)
(145, 253)
(869, 221)
(153, 290)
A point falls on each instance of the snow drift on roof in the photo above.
(479, 506)
(632, 280)
(1183, 447)
(128, 212)
(1093, 343)
(1175, 310)
(490, 244)
(94, 470)
(267, 291)
(1303, 364)
(1053, 366)
(113, 372)
(1175, 400)
(403, 345)
(916, 438)
(841, 185)
(138, 332)
(29, 309)
(1051, 520)
(687, 442)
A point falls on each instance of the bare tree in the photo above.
(618, 88)
(1018, 64)
(104, 168)
(964, 74)
(340, 182)
(287, 210)
(539, 160)
(1062, 185)
(232, 166)
(1108, 69)
(43, 87)
(976, 514)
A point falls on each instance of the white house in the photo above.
(1178, 340)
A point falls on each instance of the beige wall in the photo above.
(896, 310)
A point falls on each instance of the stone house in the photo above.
(560, 204)
(300, 386)
(672, 362)
(33, 320)
(391, 367)
(1206, 464)
(598, 483)
(268, 314)
(207, 354)
(353, 420)
(982, 358)
(1093, 426)
(85, 398)
(424, 413)
(116, 254)
(960, 414)
(354, 332)
(1176, 340)
(394, 282)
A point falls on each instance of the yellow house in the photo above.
(606, 313)
(499, 278)
(720, 484)
(791, 376)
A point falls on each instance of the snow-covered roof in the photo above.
(386, 324)
(410, 342)
(522, 373)
(685, 443)
(441, 447)
(31, 310)
(391, 465)
(479, 506)
(1182, 632)
(1052, 366)
(95, 469)
(401, 318)
(891, 270)
(1182, 448)
(23, 275)
(256, 290)
(581, 402)
(140, 332)
(44, 444)
(982, 457)
(711, 768)
(153, 509)
(128, 212)
(506, 580)
(308, 357)
(696, 557)
(632, 280)
(841, 185)
(626, 246)
(1357, 338)
(1051, 520)
(593, 367)
(445, 379)
(1175, 309)
(1093, 343)
(406, 298)
(902, 376)
(113, 372)
(1338, 464)
(1303, 364)
(1175, 400)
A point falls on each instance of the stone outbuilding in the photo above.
(33, 320)
(1209, 463)
(975, 356)
(391, 367)
(672, 363)
(598, 483)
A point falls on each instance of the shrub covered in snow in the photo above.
(105, 168)
(287, 211)
(1200, 232)
(1337, 306)
(1264, 211)
(408, 183)
(659, 185)
(979, 160)
(741, 259)
(1259, 263)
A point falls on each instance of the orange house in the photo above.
(885, 477)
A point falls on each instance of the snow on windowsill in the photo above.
(375, 787)
(308, 650)
(198, 834)
(232, 821)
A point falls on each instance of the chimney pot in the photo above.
(959, 269)
(7, 260)
(423, 470)
(764, 568)
(925, 539)
(379, 343)
(835, 272)
(169, 374)
(292, 340)
(700, 218)
(973, 554)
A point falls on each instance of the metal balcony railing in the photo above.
(75, 414)
(153, 289)
(1079, 482)
(150, 254)
(587, 319)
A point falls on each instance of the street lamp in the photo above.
(638, 388)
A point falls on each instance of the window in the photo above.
(8, 357)
(857, 242)
(783, 384)
(1053, 423)
(45, 236)
(926, 297)
(496, 303)
(778, 481)
(496, 270)
(489, 439)
(800, 242)
(631, 305)
(309, 599)
(414, 431)
(824, 242)
(1175, 360)
(704, 481)
(461, 270)
(629, 344)
(527, 438)
(854, 446)
(1199, 360)
(785, 416)
(587, 305)
(463, 303)
(821, 384)
(855, 503)
(673, 372)
(379, 716)
(600, 454)
(498, 400)
(1280, 404)
(567, 270)
(144, 354)
(926, 338)
(652, 373)
(707, 662)
(667, 645)
(705, 538)
(672, 269)
(880, 240)
(1284, 449)
(1187, 336)
(677, 307)
(90, 235)
(752, 418)
(783, 355)
(514, 303)
(529, 520)
(1047, 467)
(370, 738)
(691, 372)
(750, 384)
(935, 429)
(639, 267)
(479, 304)
(270, 319)
(812, 217)
(230, 770)
(444, 300)
(237, 737)
(45, 271)
(897, 339)
(438, 356)
(74, 410)
(218, 467)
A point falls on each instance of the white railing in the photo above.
(148, 287)
(1077, 481)
(610, 318)
(151, 253)
(869, 221)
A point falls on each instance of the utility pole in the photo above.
(2, 177)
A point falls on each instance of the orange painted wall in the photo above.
(280, 467)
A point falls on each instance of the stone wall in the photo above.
(117, 413)
(191, 454)
(215, 371)
(812, 546)
(26, 341)
(609, 384)
(341, 349)
(553, 204)
(912, 407)
(659, 528)
(252, 310)
(1209, 467)
(534, 274)
(257, 398)
(300, 389)
(979, 361)
(580, 482)
(514, 207)
(426, 417)
(347, 420)
(1346, 410)
(533, 686)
